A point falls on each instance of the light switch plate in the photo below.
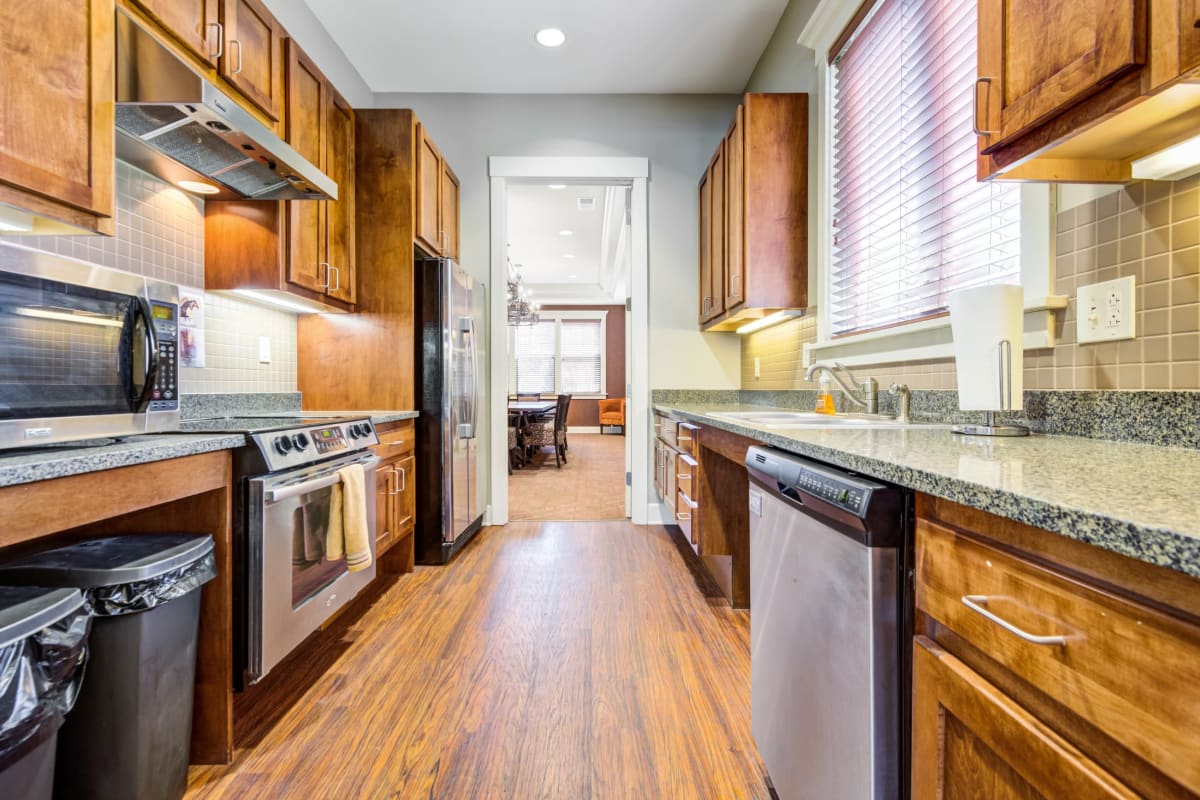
(1106, 312)
(264, 349)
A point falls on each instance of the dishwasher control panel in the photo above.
(798, 476)
(831, 490)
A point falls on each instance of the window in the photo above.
(563, 353)
(911, 224)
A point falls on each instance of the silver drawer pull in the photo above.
(682, 516)
(976, 603)
(684, 475)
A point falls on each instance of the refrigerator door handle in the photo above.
(468, 327)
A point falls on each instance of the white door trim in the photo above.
(634, 171)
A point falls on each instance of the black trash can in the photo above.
(128, 736)
(43, 647)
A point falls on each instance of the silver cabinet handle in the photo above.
(220, 39)
(337, 276)
(238, 69)
(394, 492)
(397, 443)
(682, 515)
(687, 475)
(975, 108)
(403, 479)
(976, 603)
(328, 273)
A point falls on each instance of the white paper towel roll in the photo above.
(980, 319)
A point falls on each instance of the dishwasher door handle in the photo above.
(976, 603)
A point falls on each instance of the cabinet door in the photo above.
(405, 495)
(448, 229)
(193, 22)
(1189, 34)
(306, 132)
(705, 248)
(385, 519)
(57, 77)
(716, 233)
(340, 226)
(429, 181)
(253, 57)
(970, 740)
(735, 210)
(1038, 58)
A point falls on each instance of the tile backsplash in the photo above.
(1149, 229)
(160, 234)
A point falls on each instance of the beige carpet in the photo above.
(590, 486)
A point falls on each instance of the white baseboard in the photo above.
(583, 429)
(658, 514)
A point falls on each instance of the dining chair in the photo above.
(552, 432)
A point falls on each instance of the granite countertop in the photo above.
(377, 417)
(44, 463)
(1135, 499)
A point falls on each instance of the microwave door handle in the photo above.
(151, 344)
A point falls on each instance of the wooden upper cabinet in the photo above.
(971, 740)
(56, 147)
(735, 210)
(339, 222)
(448, 227)
(307, 133)
(1189, 34)
(428, 183)
(754, 214)
(195, 23)
(253, 54)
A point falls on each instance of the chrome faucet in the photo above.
(905, 395)
(869, 401)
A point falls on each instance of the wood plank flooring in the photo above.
(590, 486)
(550, 660)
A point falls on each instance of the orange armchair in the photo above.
(612, 413)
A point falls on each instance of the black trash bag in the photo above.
(40, 677)
(130, 598)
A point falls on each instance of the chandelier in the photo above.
(521, 310)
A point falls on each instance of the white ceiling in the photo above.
(617, 46)
(537, 215)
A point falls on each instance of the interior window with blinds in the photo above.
(559, 356)
(582, 343)
(534, 354)
(911, 224)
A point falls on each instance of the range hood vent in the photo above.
(176, 125)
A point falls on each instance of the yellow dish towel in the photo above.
(348, 533)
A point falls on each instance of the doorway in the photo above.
(573, 232)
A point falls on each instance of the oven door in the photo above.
(292, 588)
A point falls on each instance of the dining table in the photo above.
(531, 409)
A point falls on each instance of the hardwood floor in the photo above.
(549, 660)
(590, 486)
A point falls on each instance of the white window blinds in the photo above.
(582, 351)
(910, 222)
(535, 349)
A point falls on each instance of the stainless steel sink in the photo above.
(776, 420)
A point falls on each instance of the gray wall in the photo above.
(677, 133)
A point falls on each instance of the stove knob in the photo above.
(356, 431)
(283, 445)
(365, 429)
(300, 440)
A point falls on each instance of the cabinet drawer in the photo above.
(666, 429)
(396, 441)
(685, 515)
(685, 437)
(685, 474)
(1130, 670)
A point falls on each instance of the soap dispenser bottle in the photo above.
(825, 397)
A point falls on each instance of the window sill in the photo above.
(928, 340)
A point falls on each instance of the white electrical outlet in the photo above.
(264, 349)
(1106, 311)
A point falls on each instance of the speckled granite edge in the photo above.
(1171, 419)
(1153, 545)
(45, 464)
(203, 406)
(377, 417)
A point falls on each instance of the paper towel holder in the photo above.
(989, 427)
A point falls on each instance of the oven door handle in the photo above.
(295, 490)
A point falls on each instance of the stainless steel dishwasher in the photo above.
(829, 622)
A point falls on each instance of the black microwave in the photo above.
(85, 352)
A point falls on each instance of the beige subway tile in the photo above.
(1111, 273)
(1155, 268)
(1156, 295)
(1105, 376)
(1156, 349)
(1157, 213)
(1185, 375)
(1129, 351)
(1105, 353)
(1185, 347)
(1185, 290)
(1065, 242)
(1153, 376)
(1156, 242)
(1184, 184)
(1085, 236)
(1132, 195)
(1085, 213)
(1155, 323)
(1131, 223)
(1185, 318)
(1185, 205)
(1085, 378)
(1157, 190)
(1185, 262)
(1107, 254)
(1064, 265)
(1185, 234)
(1065, 221)
(1065, 283)
(1130, 248)
(1085, 261)
(1064, 378)
(1108, 205)
(1108, 230)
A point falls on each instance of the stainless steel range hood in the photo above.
(173, 123)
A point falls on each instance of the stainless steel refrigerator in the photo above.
(450, 362)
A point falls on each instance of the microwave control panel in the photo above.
(165, 392)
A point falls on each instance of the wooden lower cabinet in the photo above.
(970, 741)
(395, 497)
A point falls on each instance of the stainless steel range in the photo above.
(285, 587)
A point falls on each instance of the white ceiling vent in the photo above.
(586, 203)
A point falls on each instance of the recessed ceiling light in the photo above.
(572, 276)
(565, 232)
(550, 37)
(568, 255)
(556, 186)
(198, 187)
